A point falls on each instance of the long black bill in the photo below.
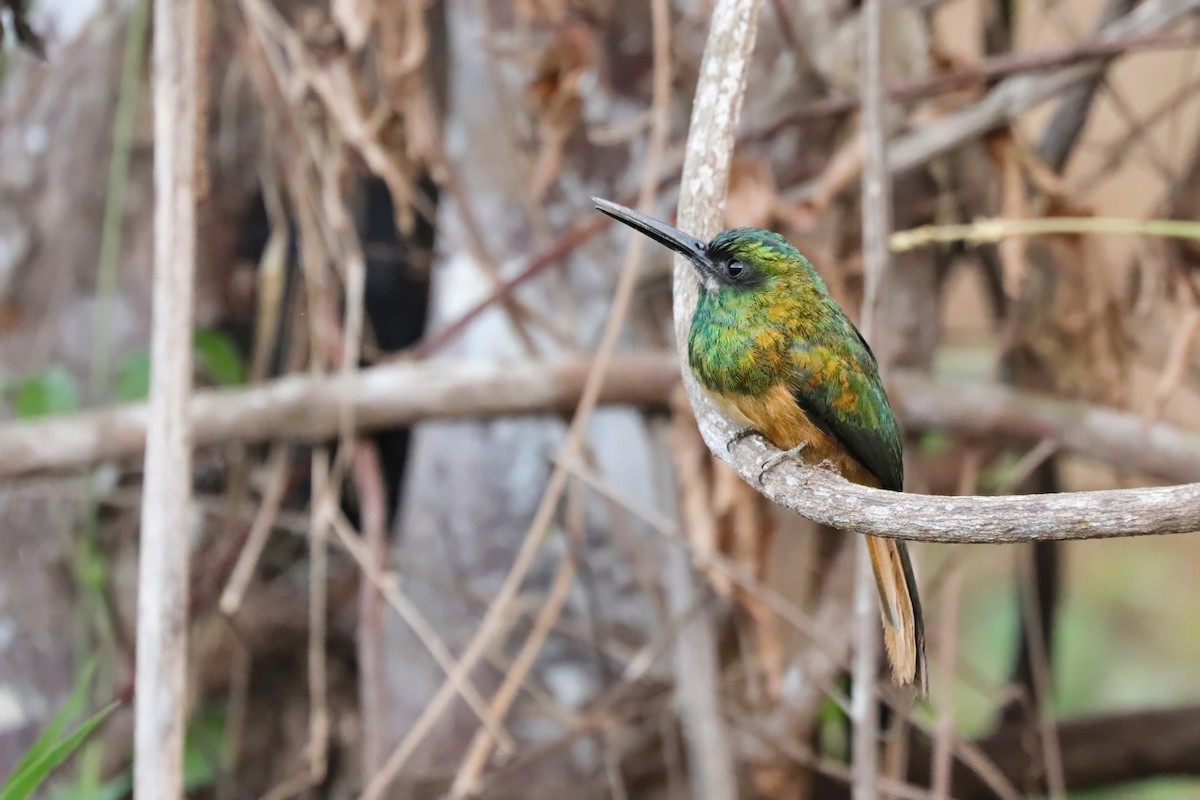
(684, 244)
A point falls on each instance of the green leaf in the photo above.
(133, 378)
(219, 357)
(23, 782)
(50, 750)
(69, 711)
(204, 748)
(49, 392)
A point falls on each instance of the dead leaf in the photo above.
(355, 18)
(753, 195)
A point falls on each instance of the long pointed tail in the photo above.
(903, 628)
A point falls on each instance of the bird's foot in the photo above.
(777, 459)
(744, 433)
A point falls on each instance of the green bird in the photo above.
(775, 351)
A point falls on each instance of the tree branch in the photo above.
(1016, 95)
(990, 69)
(1105, 434)
(304, 408)
(165, 540)
(307, 408)
(876, 226)
(1101, 751)
(707, 159)
(825, 497)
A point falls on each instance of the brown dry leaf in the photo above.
(1069, 335)
(800, 216)
(751, 540)
(841, 172)
(1095, 346)
(554, 95)
(692, 462)
(528, 11)
(727, 517)
(571, 51)
(11, 317)
(1047, 181)
(753, 196)
(1012, 248)
(1179, 357)
(355, 18)
(744, 537)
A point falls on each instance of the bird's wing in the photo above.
(839, 388)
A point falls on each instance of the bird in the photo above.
(782, 359)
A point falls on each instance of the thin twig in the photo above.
(260, 530)
(318, 601)
(967, 752)
(991, 68)
(1178, 359)
(425, 632)
(1017, 94)
(124, 127)
(589, 397)
(372, 657)
(1040, 668)
(943, 743)
(466, 782)
(550, 257)
(697, 668)
(1029, 463)
(989, 231)
(876, 225)
(161, 680)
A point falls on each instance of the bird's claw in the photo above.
(744, 433)
(777, 459)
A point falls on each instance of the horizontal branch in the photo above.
(307, 408)
(989, 69)
(825, 497)
(992, 230)
(1117, 438)
(1101, 751)
(1018, 94)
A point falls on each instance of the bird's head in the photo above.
(735, 260)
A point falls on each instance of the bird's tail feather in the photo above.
(903, 628)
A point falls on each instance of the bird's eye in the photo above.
(735, 268)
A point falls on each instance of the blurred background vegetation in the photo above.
(409, 183)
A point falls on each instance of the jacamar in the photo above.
(783, 360)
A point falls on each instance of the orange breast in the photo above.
(778, 417)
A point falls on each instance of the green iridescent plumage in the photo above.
(775, 323)
(774, 350)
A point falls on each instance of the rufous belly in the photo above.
(776, 415)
